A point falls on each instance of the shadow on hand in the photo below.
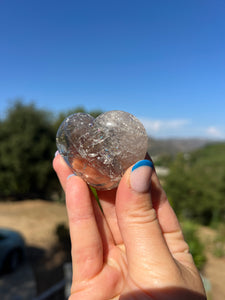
(172, 293)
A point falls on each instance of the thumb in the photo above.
(146, 248)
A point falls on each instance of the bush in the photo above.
(27, 145)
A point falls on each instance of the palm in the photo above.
(105, 284)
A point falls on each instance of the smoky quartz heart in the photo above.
(100, 150)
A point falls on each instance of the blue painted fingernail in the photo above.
(71, 175)
(57, 152)
(140, 177)
(142, 163)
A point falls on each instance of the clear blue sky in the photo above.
(161, 60)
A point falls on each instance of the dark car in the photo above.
(12, 250)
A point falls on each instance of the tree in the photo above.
(27, 145)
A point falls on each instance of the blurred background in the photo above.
(164, 62)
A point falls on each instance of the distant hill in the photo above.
(173, 146)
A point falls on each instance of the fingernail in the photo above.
(140, 177)
(57, 152)
(71, 175)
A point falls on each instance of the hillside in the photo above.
(196, 184)
(173, 146)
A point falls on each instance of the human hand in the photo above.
(135, 248)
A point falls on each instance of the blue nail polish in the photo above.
(144, 162)
(140, 178)
(70, 176)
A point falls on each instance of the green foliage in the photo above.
(27, 147)
(196, 247)
(196, 184)
(94, 192)
(27, 144)
(164, 160)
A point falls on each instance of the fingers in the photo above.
(62, 169)
(167, 219)
(146, 247)
(107, 200)
(137, 217)
(87, 248)
(90, 236)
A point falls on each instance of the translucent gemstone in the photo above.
(100, 150)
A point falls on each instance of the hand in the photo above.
(135, 248)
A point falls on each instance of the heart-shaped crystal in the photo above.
(100, 150)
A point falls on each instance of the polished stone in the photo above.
(100, 150)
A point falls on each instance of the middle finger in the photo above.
(107, 201)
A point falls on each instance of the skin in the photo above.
(134, 250)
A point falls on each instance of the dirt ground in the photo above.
(214, 269)
(37, 221)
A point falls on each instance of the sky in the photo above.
(160, 60)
